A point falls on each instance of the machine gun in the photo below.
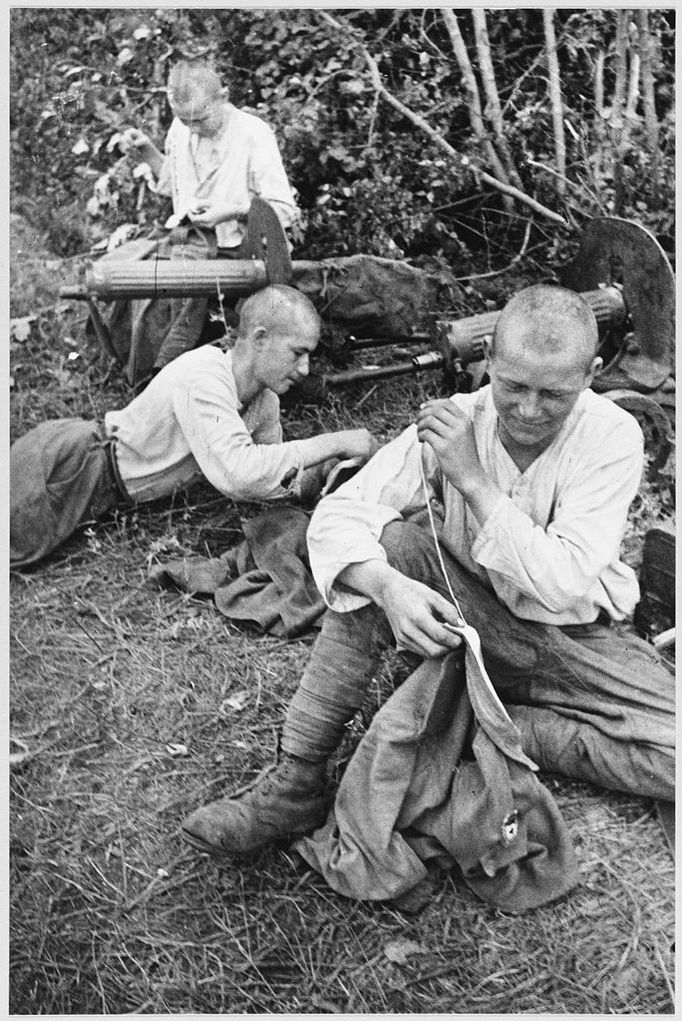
(620, 270)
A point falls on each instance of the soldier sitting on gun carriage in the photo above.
(217, 158)
(209, 413)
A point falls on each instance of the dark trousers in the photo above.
(60, 475)
(188, 315)
(591, 702)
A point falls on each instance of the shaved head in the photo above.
(277, 308)
(278, 331)
(549, 319)
(191, 78)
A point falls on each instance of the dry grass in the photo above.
(122, 695)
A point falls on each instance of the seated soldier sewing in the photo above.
(216, 159)
(210, 413)
(535, 474)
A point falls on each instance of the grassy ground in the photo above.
(136, 705)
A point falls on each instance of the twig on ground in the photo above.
(498, 272)
(668, 983)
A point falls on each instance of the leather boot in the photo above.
(284, 804)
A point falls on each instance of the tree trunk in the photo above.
(649, 102)
(474, 99)
(597, 156)
(599, 84)
(622, 21)
(493, 109)
(555, 98)
(630, 115)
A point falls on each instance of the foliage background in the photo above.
(366, 178)
(130, 706)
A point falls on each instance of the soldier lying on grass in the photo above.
(535, 473)
(209, 413)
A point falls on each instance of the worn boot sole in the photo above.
(204, 847)
(234, 828)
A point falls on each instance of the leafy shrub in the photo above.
(366, 178)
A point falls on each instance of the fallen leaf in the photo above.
(325, 1006)
(20, 329)
(398, 950)
(177, 750)
(626, 981)
(145, 171)
(237, 701)
(120, 235)
(75, 70)
(63, 377)
(18, 758)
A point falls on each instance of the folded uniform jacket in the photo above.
(266, 579)
(440, 778)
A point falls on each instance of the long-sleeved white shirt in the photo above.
(189, 423)
(550, 547)
(240, 162)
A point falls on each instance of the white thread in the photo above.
(435, 539)
(469, 633)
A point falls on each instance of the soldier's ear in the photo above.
(259, 337)
(595, 366)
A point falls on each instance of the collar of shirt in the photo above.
(207, 153)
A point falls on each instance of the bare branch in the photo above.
(474, 99)
(617, 119)
(630, 115)
(649, 101)
(519, 81)
(648, 94)
(596, 157)
(435, 136)
(493, 108)
(622, 19)
(599, 84)
(498, 272)
(555, 98)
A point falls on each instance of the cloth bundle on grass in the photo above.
(265, 580)
(440, 779)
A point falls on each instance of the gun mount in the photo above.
(620, 269)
